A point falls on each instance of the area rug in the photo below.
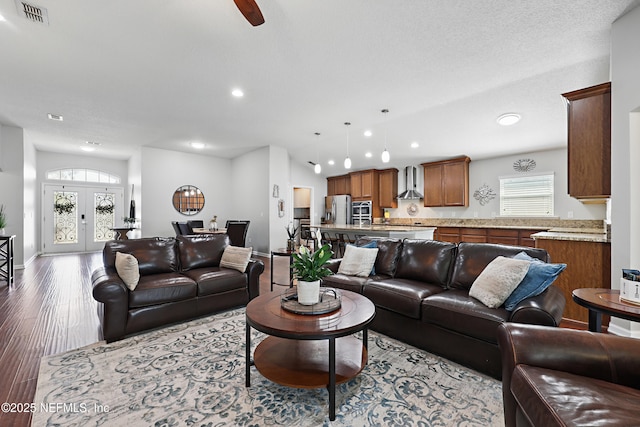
(193, 374)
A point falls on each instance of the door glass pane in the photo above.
(104, 204)
(65, 217)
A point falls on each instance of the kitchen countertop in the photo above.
(573, 236)
(373, 227)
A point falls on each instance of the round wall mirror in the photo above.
(188, 200)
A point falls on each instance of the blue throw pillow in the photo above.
(539, 277)
(372, 244)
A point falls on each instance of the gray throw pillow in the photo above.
(127, 268)
(493, 286)
(236, 257)
(357, 261)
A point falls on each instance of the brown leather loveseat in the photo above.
(180, 279)
(421, 292)
(561, 377)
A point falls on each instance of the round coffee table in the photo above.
(601, 301)
(296, 353)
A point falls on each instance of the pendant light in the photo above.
(385, 154)
(317, 168)
(347, 160)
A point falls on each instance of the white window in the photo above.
(85, 175)
(530, 195)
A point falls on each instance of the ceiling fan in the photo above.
(251, 11)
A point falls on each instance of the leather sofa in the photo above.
(560, 377)
(421, 292)
(180, 279)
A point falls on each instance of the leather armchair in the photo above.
(557, 376)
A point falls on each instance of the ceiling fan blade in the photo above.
(251, 11)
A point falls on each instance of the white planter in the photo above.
(308, 292)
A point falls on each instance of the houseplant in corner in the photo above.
(309, 267)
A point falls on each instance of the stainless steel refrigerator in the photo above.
(337, 209)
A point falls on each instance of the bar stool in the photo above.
(343, 240)
(331, 241)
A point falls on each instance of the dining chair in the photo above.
(237, 232)
(176, 228)
(196, 223)
(185, 228)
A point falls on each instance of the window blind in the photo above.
(530, 195)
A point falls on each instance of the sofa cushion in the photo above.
(457, 311)
(202, 250)
(162, 288)
(236, 258)
(548, 397)
(402, 296)
(388, 253)
(357, 261)
(426, 261)
(342, 281)
(155, 254)
(214, 280)
(472, 258)
(127, 268)
(496, 282)
(539, 277)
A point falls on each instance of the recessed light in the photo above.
(508, 119)
(368, 154)
(238, 93)
(415, 145)
(197, 145)
(368, 133)
(87, 148)
(331, 162)
(55, 117)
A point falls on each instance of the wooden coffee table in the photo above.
(601, 301)
(309, 351)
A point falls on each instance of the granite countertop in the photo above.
(373, 227)
(573, 236)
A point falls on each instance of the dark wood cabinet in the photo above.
(388, 188)
(504, 236)
(364, 185)
(446, 183)
(447, 234)
(589, 142)
(473, 235)
(338, 185)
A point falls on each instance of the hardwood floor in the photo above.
(50, 310)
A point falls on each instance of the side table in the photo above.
(287, 253)
(601, 301)
(6, 258)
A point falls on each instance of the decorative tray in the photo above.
(330, 300)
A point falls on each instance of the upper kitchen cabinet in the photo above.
(589, 141)
(446, 183)
(364, 185)
(338, 185)
(388, 188)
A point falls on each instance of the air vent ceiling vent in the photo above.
(32, 12)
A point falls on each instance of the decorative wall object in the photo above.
(280, 208)
(412, 209)
(276, 191)
(484, 194)
(524, 165)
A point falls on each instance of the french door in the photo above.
(78, 218)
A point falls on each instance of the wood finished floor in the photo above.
(50, 310)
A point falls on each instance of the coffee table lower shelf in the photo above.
(305, 363)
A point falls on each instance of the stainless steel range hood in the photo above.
(410, 192)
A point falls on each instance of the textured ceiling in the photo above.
(128, 73)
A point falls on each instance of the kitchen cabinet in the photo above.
(338, 185)
(388, 188)
(446, 183)
(364, 185)
(447, 234)
(504, 236)
(589, 142)
(588, 266)
(473, 235)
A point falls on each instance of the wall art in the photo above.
(484, 194)
(524, 165)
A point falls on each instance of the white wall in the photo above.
(625, 156)
(162, 171)
(12, 185)
(279, 174)
(488, 171)
(31, 221)
(251, 194)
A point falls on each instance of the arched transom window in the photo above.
(83, 175)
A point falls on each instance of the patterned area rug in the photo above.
(193, 374)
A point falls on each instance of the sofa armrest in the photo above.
(605, 357)
(333, 265)
(109, 289)
(545, 309)
(253, 272)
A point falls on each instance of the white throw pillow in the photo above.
(496, 282)
(127, 268)
(357, 261)
(236, 257)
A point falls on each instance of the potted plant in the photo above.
(291, 231)
(309, 267)
(3, 220)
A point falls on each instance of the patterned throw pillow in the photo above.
(357, 261)
(236, 257)
(127, 268)
(496, 282)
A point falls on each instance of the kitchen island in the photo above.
(379, 230)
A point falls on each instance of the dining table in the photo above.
(208, 231)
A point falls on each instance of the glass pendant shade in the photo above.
(347, 160)
(347, 163)
(317, 168)
(386, 156)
